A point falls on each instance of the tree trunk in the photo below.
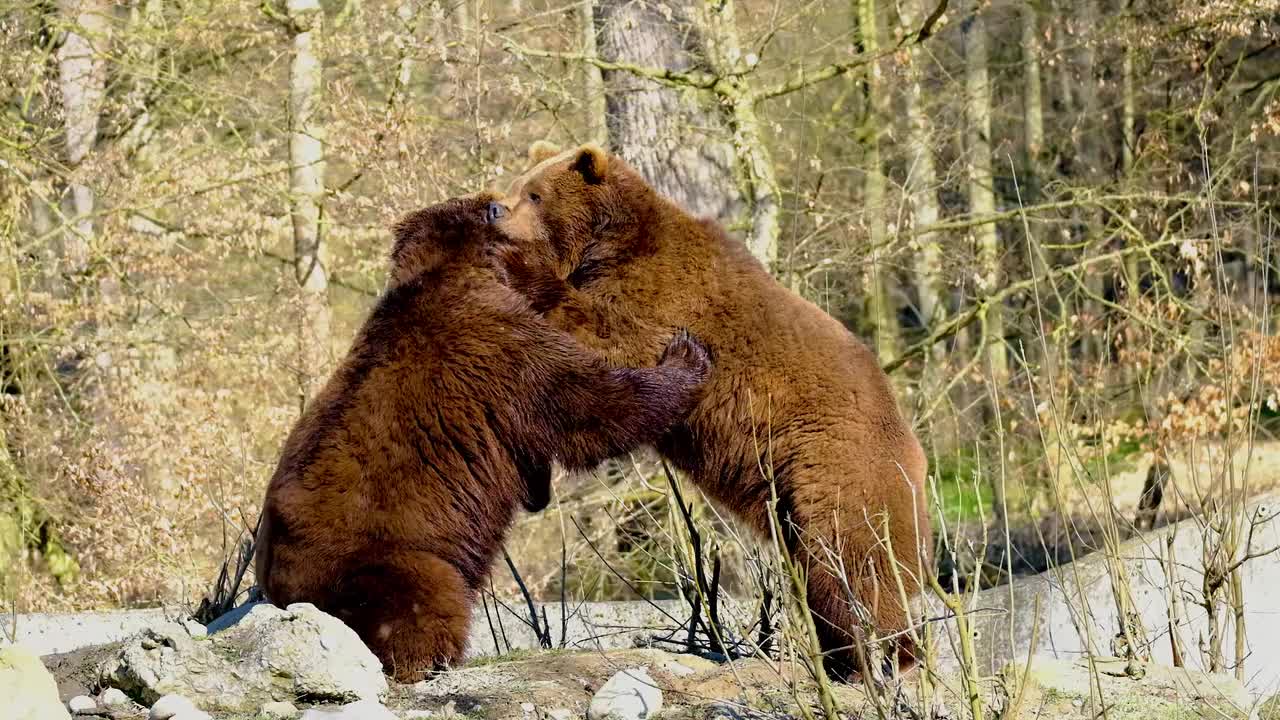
(306, 193)
(407, 13)
(977, 111)
(1088, 125)
(1029, 185)
(678, 140)
(1032, 102)
(922, 184)
(757, 182)
(1063, 43)
(881, 308)
(1132, 270)
(592, 79)
(82, 81)
(1088, 129)
(145, 23)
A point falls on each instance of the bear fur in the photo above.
(397, 485)
(795, 396)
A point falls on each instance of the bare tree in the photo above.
(306, 191)
(1032, 103)
(757, 181)
(879, 277)
(408, 14)
(82, 81)
(977, 113)
(922, 183)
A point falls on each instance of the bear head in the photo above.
(452, 232)
(576, 212)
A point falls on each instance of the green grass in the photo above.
(961, 489)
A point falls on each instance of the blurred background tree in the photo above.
(1053, 220)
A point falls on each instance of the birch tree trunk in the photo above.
(977, 112)
(592, 79)
(81, 80)
(306, 193)
(678, 140)
(879, 279)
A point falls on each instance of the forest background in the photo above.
(1054, 221)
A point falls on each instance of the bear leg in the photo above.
(860, 600)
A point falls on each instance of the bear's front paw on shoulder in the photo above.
(686, 351)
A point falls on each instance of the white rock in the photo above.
(113, 697)
(278, 711)
(193, 627)
(363, 710)
(270, 654)
(81, 703)
(324, 657)
(192, 715)
(232, 617)
(170, 706)
(28, 689)
(675, 667)
(559, 714)
(628, 695)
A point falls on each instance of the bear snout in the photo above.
(496, 212)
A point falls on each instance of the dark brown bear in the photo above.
(795, 396)
(397, 485)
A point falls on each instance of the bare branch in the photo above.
(662, 76)
(980, 305)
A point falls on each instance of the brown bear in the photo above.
(396, 486)
(796, 400)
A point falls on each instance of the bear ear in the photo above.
(542, 150)
(592, 162)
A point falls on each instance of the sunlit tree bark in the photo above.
(757, 182)
(592, 79)
(676, 139)
(306, 191)
(883, 316)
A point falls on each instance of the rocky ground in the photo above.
(266, 662)
(301, 663)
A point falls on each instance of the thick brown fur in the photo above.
(397, 485)
(795, 396)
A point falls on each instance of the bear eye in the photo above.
(535, 198)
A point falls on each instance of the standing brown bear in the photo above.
(397, 485)
(795, 396)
